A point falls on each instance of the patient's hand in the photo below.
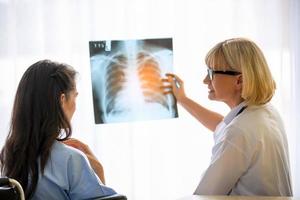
(96, 165)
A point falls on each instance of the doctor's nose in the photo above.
(206, 79)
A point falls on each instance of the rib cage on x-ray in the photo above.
(141, 74)
(114, 82)
(149, 74)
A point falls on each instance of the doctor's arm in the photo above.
(208, 118)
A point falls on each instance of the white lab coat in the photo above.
(250, 155)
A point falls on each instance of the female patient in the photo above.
(34, 152)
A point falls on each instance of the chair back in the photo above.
(10, 189)
(113, 197)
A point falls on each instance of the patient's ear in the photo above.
(62, 99)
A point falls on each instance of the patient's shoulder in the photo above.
(64, 154)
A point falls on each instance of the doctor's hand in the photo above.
(94, 162)
(174, 85)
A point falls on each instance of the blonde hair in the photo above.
(243, 55)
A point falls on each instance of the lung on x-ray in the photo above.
(126, 80)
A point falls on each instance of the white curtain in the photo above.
(294, 108)
(155, 159)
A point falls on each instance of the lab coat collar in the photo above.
(234, 112)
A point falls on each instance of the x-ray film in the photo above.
(126, 80)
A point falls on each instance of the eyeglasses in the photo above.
(211, 72)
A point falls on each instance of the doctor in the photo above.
(250, 155)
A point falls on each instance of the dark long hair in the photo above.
(37, 121)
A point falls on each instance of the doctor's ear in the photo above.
(239, 81)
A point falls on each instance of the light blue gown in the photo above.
(68, 175)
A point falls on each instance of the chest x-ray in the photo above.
(126, 80)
